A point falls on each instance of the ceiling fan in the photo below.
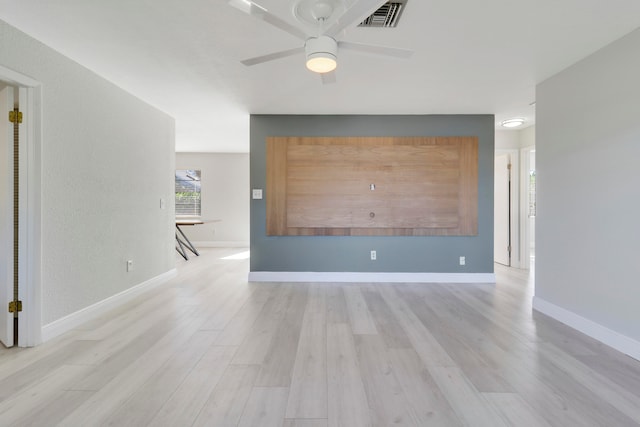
(321, 49)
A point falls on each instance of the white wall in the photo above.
(515, 139)
(225, 196)
(587, 153)
(507, 139)
(107, 159)
(527, 137)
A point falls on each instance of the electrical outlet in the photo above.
(374, 256)
(463, 260)
(129, 265)
(256, 193)
(163, 205)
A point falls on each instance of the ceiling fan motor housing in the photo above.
(322, 53)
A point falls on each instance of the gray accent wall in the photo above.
(410, 254)
(588, 195)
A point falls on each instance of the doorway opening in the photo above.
(515, 207)
(20, 210)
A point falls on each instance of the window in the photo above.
(187, 192)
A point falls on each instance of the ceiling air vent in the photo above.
(387, 15)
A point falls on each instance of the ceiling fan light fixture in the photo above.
(322, 54)
(321, 62)
(512, 123)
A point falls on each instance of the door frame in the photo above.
(525, 247)
(514, 159)
(30, 209)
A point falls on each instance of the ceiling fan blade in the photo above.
(356, 13)
(376, 50)
(272, 56)
(260, 12)
(328, 78)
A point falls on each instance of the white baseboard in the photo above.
(588, 327)
(357, 277)
(220, 244)
(73, 320)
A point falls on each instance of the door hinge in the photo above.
(15, 306)
(15, 116)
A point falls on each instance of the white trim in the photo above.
(30, 320)
(17, 79)
(308, 276)
(23, 195)
(73, 320)
(30, 241)
(7, 233)
(588, 327)
(220, 244)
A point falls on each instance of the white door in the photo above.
(502, 211)
(6, 216)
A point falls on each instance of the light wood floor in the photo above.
(210, 349)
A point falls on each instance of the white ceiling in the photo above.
(182, 56)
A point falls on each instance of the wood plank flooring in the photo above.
(210, 349)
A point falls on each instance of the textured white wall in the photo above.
(507, 139)
(527, 137)
(225, 196)
(107, 159)
(587, 152)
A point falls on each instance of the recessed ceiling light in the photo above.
(512, 123)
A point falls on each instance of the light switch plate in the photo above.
(257, 193)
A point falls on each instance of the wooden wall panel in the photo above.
(276, 188)
(372, 185)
